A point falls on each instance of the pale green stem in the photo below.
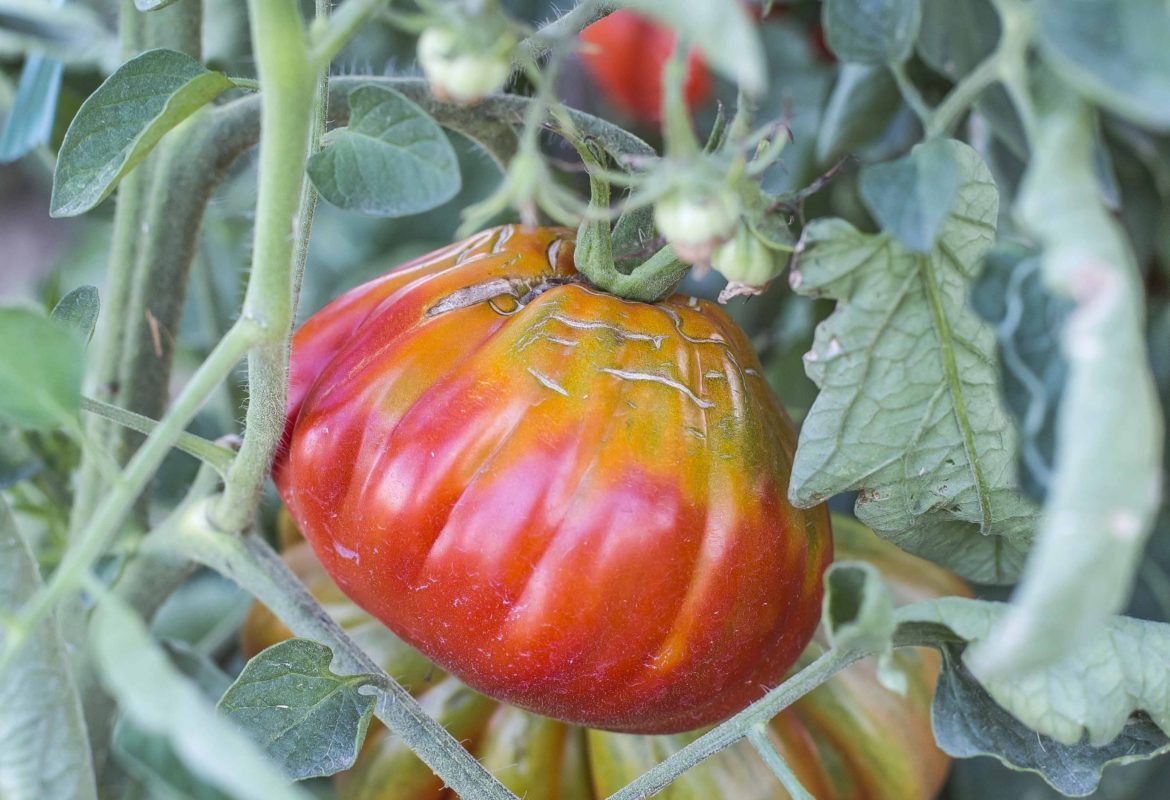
(250, 562)
(105, 523)
(572, 22)
(210, 452)
(758, 736)
(107, 344)
(728, 733)
(288, 86)
(330, 34)
(910, 93)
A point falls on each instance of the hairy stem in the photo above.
(286, 119)
(659, 777)
(209, 452)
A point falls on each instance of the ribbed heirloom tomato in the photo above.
(849, 739)
(572, 502)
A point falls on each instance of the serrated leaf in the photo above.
(723, 32)
(909, 412)
(40, 371)
(310, 720)
(1112, 51)
(30, 119)
(44, 749)
(864, 100)
(1105, 489)
(1064, 720)
(391, 160)
(871, 31)
(1027, 318)
(160, 701)
(79, 310)
(123, 120)
(911, 196)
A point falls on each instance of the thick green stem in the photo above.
(252, 564)
(657, 778)
(331, 34)
(112, 323)
(286, 121)
(187, 172)
(179, 27)
(572, 22)
(105, 523)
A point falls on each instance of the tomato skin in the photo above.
(624, 54)
(575, 503)
(849, 739)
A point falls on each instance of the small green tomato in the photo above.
(747, 262)
(456, 73)
(696, 224)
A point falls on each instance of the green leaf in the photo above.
(150, 758)
(40, 371)
(123, 120)
(912, 196)
(723, 32)
(967, 723)
(864, 100)
(156, 697)
(1106, 701)
(391, 160)
(909, 412)
(30, 120)
(309, 720)
(957, 34)
(1113, 51)
(44, 749)
(871, 31)
(858, 610)
(151, 5)
(1027, 318)
(73, 33)
(1104, 492)
(78, 310)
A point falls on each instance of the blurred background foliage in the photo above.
(831, 111)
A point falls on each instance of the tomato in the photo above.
(624, 55)
(850, 738)
(573, 502)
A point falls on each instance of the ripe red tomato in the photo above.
(849, 739)
(573, 502)
(624, 54)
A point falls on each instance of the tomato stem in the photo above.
(739, 726)
(650, 281)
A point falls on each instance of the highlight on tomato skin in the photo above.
(624, 54)
(849, 739)
(572, 502)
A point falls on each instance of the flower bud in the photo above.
(455, 72)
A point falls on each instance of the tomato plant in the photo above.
(569, 465)
(467, 453)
